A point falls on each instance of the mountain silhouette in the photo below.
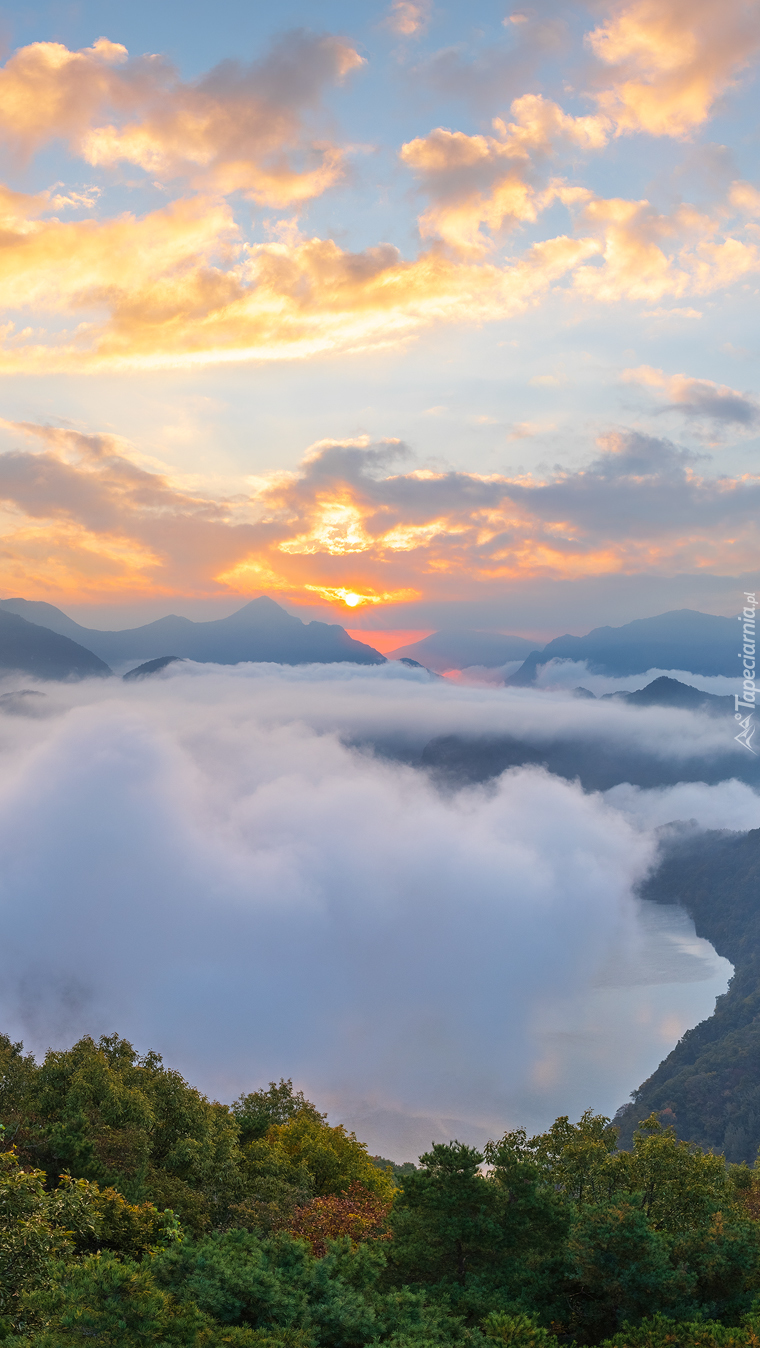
(28, 648)
(151, 667)
(683, 639)
(665, 692)
(260, 631)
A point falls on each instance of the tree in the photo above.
(114, 1302)
(104, 1113)
(620, 1269)
(358, 1214)
(256, 1112)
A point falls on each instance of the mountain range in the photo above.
(682, 639)
(261, 630)
(460, 760)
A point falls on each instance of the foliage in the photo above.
(256, 1112)
(103, 1113)
(479, 1241)
(358, 1214)
(115, 1302)
(395, 1168)
(179, 1221)
(332, 1157)
(517, 1331)
(275, 1282)
(659, 1332)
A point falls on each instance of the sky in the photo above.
(407, 314)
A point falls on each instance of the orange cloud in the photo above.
(671, 59)
(177, 287)
(493, 181)
(82, 519)
(180, 287)
(645, 256)
(230, 131)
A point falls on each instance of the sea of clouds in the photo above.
(244, 869)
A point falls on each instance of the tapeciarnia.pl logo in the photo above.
(746, 698)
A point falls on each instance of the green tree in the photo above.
(620, 1269)
(115, 1302)
(482, 1242)
(256, 1112)
(275, 1285)
(680, 1185)
(106, 1114)
(334, 1158)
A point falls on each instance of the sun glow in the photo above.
(337, 594)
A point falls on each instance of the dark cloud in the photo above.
(700, 398)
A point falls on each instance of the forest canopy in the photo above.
(133, 1210)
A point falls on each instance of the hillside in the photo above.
(261, 630)
(709, 1086)
(29, 649)
(683, 639)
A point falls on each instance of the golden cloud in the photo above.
(671, 59)
(82, 518)
(179, 286)
(230, 131)
(182, 286)
(493, 181)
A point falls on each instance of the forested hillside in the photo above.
(709, 1086)
(135, 1211)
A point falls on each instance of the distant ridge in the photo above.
(458, 648)
(261, 630)
(665, 692)
(683, 639)
(27, 648)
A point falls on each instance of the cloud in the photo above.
(180, 287)
(494, 181)
(232, 130)
(358, 524)
(645, 255)
(698, 398)
(186, 286)
(82, 515)
(671, 60)
(240, 889)
(744, 197)
(409, 18)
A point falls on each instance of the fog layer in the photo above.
(216, 864)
